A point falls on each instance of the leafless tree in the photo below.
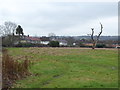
(52, 36)
(7, 31)
(8, 28)
(2, 30)
(94, 41)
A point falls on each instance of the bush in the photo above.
(100, 45)
(24, 45)
(53, 44)
(13, 69)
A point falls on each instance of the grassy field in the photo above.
(68, 67)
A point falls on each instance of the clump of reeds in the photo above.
(13, 69)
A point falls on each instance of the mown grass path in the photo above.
(69, 67)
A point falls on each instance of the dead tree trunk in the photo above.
(94, 41)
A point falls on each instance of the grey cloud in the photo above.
(49, 17)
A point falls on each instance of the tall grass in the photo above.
(13, 69)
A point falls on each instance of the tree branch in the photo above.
(100, 32)
(92, 34)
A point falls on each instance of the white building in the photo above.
(45, 42)
(62, 42)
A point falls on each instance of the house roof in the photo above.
(63, 41)
(44, 38)
(32, 38)
(88, 44)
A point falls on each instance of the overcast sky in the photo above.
(62, 18)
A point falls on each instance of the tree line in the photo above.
(9, 29)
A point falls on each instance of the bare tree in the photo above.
(11, 27)
(52, 36)
(94, 41)
(8, 28)
(7, 32)
(2, 30)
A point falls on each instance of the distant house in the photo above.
(34, 40)
(45, 40)
(62, 42)
(111, 45)
(115, 46)
(74, 44)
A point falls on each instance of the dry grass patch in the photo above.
(13, 69)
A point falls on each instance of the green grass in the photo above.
(69, 68)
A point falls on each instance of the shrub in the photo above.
(100, 45)
(24, 45)
(53, 44)
(13, 69)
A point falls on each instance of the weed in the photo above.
(13, 69)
